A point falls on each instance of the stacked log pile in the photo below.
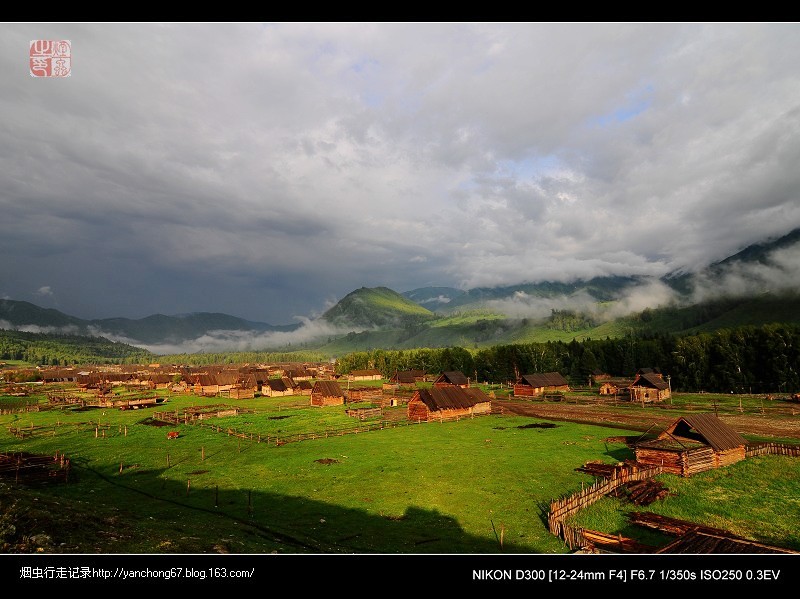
(671, 526)
(643, 492)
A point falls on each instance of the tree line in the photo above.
(743, 360)
(47, 349)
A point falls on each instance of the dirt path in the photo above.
(628, 417)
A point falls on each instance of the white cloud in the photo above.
(44, 291)
(35, 328)
(308, 159)
(650, 293)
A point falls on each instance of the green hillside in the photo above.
(47, 349)
(376, 307)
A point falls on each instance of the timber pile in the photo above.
(697, 542)
(601, 541)
(601, 469)
(604, 470)
(671, 526)
(642, 492)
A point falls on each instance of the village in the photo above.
(675, 435)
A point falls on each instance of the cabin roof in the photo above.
(650, 380)
(711, 429)
(328, 388)
(451, 398)
(544, 379)
(454, 377)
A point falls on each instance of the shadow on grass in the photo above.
(621, 454)
(155, 515)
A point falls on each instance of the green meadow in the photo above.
(756, 499)
(478, 485)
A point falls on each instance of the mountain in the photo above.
(600, 289)
(18, 314)
(433, 297)
(757, 285)
(752, 257)
(368, 308)
(157, 328)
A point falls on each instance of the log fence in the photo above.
(564, 507)
(278, 440)
(759, 449)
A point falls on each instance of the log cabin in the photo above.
(692, 444)
(407, 378)
(327, 393)
(649, 387)
(277, 387)
(452, 378)
(448, 401)
(365, 375)
(530, 385)
(615, 386)
(303, 388)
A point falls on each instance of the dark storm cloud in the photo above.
(263, 170)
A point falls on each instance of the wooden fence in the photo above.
(364, 413)
(564, 507)
(278, 440)
(772, 449)
(35, 468)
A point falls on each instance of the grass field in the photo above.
(432, 488)
(756, 499)
(479, 485)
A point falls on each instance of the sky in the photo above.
(266, 170)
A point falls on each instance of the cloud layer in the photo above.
(261, 169)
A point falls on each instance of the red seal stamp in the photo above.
(51, 58)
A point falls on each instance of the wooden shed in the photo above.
(277, 387)
(407, 377)
(447, 402)
(365, 375)
(530, 385)
(693, 444)
(303, 388)
(615, 386)
(452, 378)
(649, 387)
(364, 394)
(327, 393)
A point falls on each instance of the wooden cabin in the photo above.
(693, 444)
(298, 374)
(241, 393)
(277, 387)
(158, 381)
(615, 386)
(531, 385)
(364, 394)
(327, 393)
(407, 378)
(598, 376)
(365, 375)
(453, 378)
(649, 387)
(447, 401)
(303, 388)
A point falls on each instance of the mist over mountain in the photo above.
(757, 285)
